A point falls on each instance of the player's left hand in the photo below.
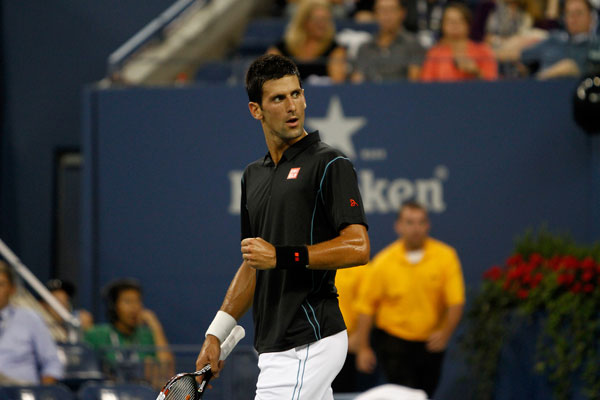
(437, 341)
(258, 253)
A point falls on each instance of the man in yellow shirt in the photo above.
(413, 293)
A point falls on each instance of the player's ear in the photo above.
(304, 99)
(255, 110)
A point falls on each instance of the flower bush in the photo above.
(552, 281)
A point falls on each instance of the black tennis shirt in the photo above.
(307, 198)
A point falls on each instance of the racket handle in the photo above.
(237, 334)
(202, 386)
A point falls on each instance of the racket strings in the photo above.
(185, 388)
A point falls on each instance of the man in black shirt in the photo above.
(302, 218)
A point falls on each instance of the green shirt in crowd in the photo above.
(116, 347)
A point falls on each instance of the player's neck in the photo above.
(277, 145)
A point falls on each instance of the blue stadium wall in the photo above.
(162, 169)
(49, 51)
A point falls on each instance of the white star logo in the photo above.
(337, 129)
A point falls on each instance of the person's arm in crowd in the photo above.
(414, 72)
(563, 68)
(163, 353)
(349, 249)
(438, 340)
(552, 10)
(487, 65)
(365, 356)
(51, 369)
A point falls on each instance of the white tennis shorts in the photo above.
(302, 373)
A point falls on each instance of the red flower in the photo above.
(515, 259)
(493, 273)
(522, 293)
(587, 276)
(565, 279)
(569, 262)
(535, 259)
(576, 288)
(588, 288)
(588, 263)
(554, 263)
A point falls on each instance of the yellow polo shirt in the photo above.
(347, 282)
(409, 301)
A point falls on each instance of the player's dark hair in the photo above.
(7, 270)
(113, 290)
(413, 205)
(265, 68)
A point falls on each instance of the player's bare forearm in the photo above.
(240, 294)
(349, 249)
(238, 300)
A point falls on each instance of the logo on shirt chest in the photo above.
(293, 174)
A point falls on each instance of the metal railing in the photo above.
(150, 31)
(72, 322)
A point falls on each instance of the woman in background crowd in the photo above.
(456, 57)
(310, 41)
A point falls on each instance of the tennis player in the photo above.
(302, 218)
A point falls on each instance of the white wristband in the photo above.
(221, 326)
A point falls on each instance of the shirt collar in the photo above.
(424, 248)
(296, 148)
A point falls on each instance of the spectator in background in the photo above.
(310, 41)
(422, 17)
(133, 337)
(414, 295)
(456, 57)
(394, 54)
(28, 355)
(509, 20)
(565, 53)
(339, 8)
(64, 291)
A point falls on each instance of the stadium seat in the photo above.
(117, 391)
(81, 364)
(46, 392)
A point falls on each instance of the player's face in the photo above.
(128, 307)
(282, 109)
(6, 290)
(413, 227)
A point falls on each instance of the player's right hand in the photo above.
(209, 354)
(366, 360)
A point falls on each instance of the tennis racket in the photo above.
(185, 387)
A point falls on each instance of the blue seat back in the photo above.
(46, 392)
(118, 391)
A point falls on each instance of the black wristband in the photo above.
(289, 257)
